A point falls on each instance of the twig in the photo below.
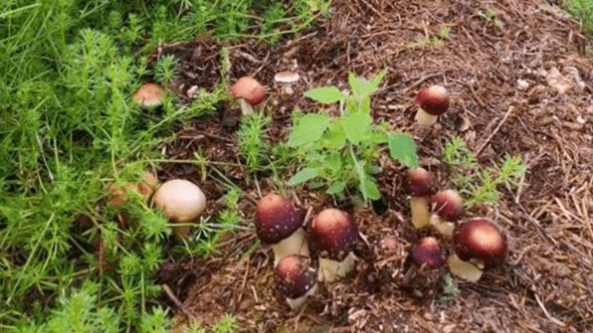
(552, 319)
(177, 302)
(495, 131)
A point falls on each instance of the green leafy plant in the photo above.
(341, 152)
(450, 289)
(583, 11)
(478, 184)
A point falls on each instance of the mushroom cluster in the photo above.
(330, 239)
(478, 243)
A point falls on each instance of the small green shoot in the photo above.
(339, 153)
(481, 185)
(253, 140)
(450, 289)
(227, 324)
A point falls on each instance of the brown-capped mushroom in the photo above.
(279, 223)
(432, 102)
(447, 208)
(149, 95)
(479, 245)
(334, 236)
(419, 187)
(296, 279)
(428, 253)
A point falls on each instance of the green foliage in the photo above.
(582, 10)
(253, 140)
(227, 324)
(341, 152)
(478, 184)
(450, 289)
(68, 127)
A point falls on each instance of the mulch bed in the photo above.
(520, 85)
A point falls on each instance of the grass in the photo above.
(481, 185)
(68, 127)
(582, 10)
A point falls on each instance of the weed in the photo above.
(69, 127)
(489, 15)
(583, 11)
(479, 184)
(253, 140)
(341, 152)
(450, 289)
(227, 324)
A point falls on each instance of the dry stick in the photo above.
(177, 302)
(495, 131)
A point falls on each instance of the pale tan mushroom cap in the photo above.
(180, 200)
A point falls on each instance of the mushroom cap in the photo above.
(433, 100)
(428, 252)
(333, 234)
(249, 89)
(145, 188)
(180, 200)
(149, 95)
(277, 219)
(286, 77)
(448, 205)
(418, 182)
(480, 239)
(295, 276)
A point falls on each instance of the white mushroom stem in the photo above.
(443, 227)
(296, 303)
(246, 108)
(295, 244)
(420, 212)
(425, 118)
(331, 270)
(464, 269)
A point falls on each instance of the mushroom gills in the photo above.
(464, 269)
(294, 244)
(330, 270)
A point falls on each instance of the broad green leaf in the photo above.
(336, 188)
(365, 105)
(357, 126)
(309, 129)
(403, 149)
(333, 162)
(303, 176)
(326, 95)
(375, 138)
(369, 189)
(316, 185)
(335, 138)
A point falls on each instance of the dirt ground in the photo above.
(520, 84)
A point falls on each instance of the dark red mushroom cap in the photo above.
(277, 219)
(295, 276)
(448, 205)
(428, 252)
(418, 182)
(249, 89)
(434, 100)
(480, 239)
(333, 234)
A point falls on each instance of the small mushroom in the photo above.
(296, 279)
(428, 253)
(478, 245)
(432, 103)
(280, 224)
(149, 95)
(181, 201)
(447, 208)
(286, 77)
(247, 89)
(334, 236)
(419, 187)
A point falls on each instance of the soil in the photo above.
(521, 84)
